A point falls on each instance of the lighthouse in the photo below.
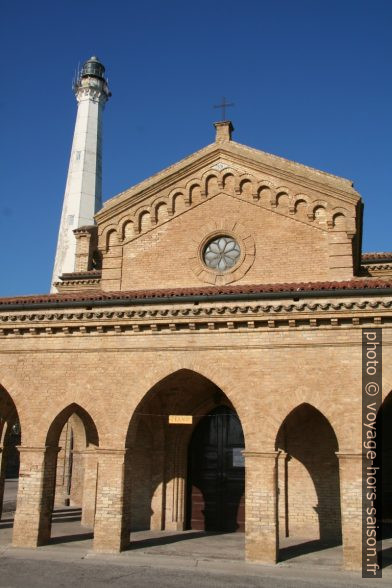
(83, 190)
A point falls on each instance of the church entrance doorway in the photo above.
(216, 473)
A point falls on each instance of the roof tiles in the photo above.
(91, 296)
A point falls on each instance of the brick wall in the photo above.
(286, 250)
(310, 481)
(141, 491)
(265, 373)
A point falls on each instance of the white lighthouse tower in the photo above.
(83, 190)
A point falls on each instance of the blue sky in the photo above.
(311, 81)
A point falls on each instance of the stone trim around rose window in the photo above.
(213, 229)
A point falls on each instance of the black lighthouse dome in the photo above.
(93, 67)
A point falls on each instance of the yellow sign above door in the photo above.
(180, 419)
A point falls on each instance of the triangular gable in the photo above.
(269, 186)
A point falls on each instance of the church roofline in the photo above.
(155, 178)
(355, 287)
(377, 257)
(319, 179)
(301, 166)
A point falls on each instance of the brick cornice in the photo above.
(377, 257)
(377, 266)
(149, 320)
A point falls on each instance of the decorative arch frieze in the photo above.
(108, 237)
(302, 207)
(283, 191)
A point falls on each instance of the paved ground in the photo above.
(40, 573)
(190, 559)
(69, 537)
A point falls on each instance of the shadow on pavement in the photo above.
(70, 538)
(7, 524)
(385, 558)
(167, 539)
(303, 548)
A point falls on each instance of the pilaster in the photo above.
(32, 524)
(158, 485)
(350, 472)
(89, 487)
(283, 459)
(86, 244)
(341, 262)
(2, 476)
(111, 528)
(261, 524)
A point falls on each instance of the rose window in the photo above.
(221, 253)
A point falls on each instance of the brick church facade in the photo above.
(201, 367)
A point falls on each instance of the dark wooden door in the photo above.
(216, 473)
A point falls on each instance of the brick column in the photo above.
(89, 487)
(111, 528)
(158, 484)
(261, 524)
(36, 489)
(77, 478)
(282, 494)
(350, 473)
(2, 477)
(86, 242)
(63, 468)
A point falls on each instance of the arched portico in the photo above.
(9, 422)
(308, 478)
(384, 477)
(154, 465)
(165, 452)
(36, 493)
